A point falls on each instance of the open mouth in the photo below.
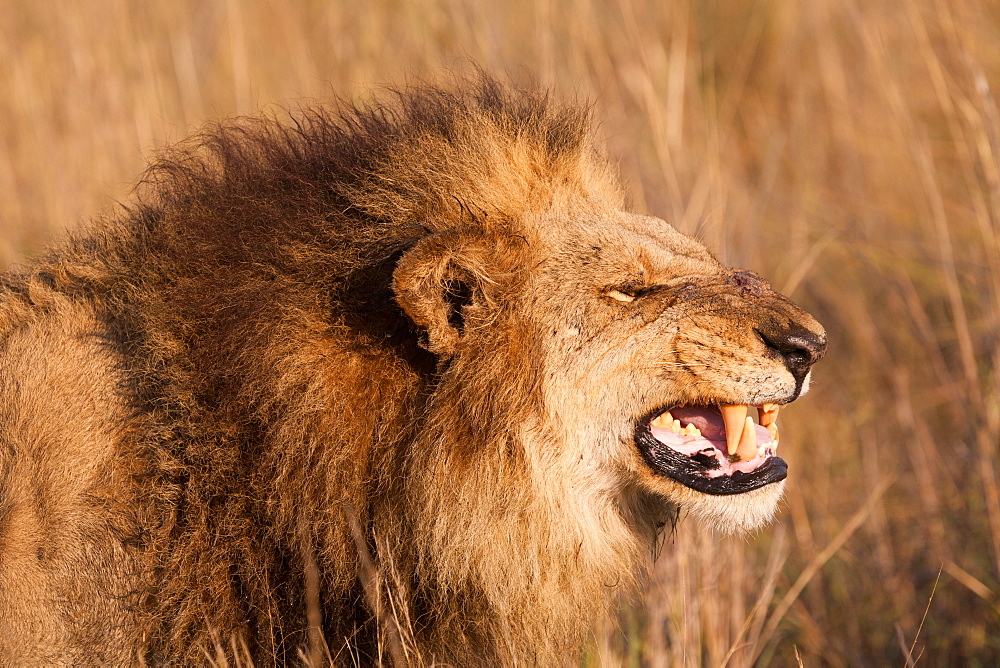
(713, 449)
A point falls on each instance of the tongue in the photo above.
(707, 419)
(709, 422)
(712, 441)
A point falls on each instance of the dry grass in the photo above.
(847, 149)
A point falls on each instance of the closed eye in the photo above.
(620, 295)
(629, 293)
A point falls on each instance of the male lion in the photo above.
(403, 382)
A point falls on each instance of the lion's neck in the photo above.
(519, 556)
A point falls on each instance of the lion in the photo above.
(401, 383)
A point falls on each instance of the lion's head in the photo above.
(596, 372)
(642, 351)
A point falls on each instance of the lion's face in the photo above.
(656, 358)
(650, 357)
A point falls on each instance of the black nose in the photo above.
(799, 347)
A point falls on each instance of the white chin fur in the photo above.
(734, 513)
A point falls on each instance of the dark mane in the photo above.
(252, 255)
(427, 159)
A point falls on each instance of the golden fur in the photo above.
(359, 374)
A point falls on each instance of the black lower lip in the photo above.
(687, 471)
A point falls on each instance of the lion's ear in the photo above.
(437, 279)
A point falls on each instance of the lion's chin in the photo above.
(731, 495)
(729, 514)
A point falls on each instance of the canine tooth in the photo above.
(663, 420)
(734, 417)
(747, 448)
(768, 414)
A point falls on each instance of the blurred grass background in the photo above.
(845, 149)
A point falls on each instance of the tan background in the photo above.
(846, 149)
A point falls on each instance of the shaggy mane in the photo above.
(249, 286)
(427, 159)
